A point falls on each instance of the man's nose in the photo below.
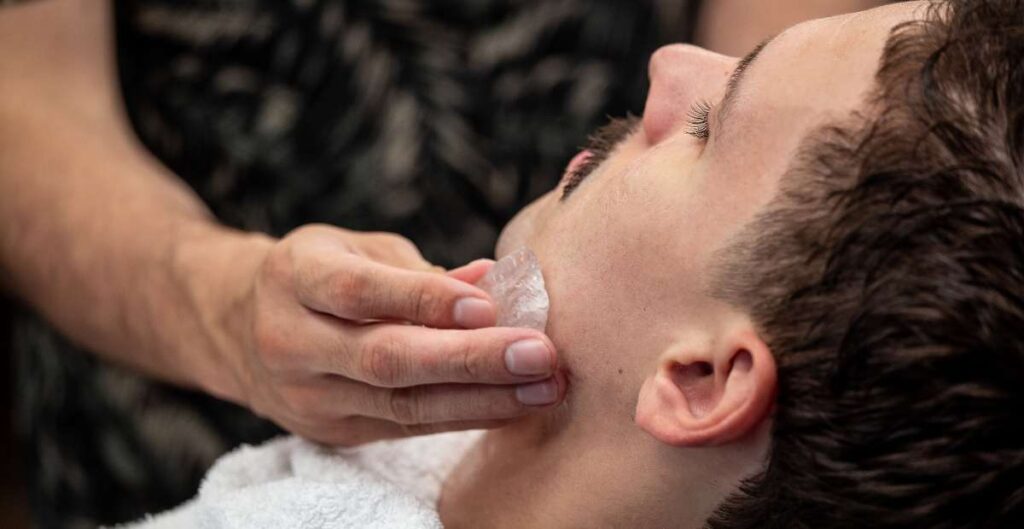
(680, 75)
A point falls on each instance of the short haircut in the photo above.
(887, 277)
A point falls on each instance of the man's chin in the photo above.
(505, 244)
(518, 231)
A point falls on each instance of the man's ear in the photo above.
(708, 392)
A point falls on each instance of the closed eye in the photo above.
(698, 120)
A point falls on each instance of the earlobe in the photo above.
(707, 395)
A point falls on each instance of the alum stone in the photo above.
(516, 285)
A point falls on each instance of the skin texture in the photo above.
(670, 390)
(122, 257)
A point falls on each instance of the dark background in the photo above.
(13, 500)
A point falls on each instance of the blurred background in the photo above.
(13, 498)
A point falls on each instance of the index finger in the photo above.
(356, 288)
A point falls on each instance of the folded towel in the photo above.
(289, 483)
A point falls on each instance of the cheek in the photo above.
(613, 284)
(584, 304)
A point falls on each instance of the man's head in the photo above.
(824, 241)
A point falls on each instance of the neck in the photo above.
(550, 472)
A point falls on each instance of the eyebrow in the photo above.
(736, 80)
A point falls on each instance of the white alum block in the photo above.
(516, 285)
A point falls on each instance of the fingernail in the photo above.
(528, 357)
(473, 313)
(538, 393)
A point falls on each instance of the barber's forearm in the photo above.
(734, 27)
(119, 254)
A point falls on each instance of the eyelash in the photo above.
(698, 118)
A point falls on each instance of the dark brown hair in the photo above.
(888, 279)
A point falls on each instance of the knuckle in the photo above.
(394, 239)
(472, 363)
(382, 364)
(306, 230)
(433, 365)
(406, 246)
(425, 302)
(340, 355)
(312, 231)
(350, 290)
(404, 406)
(455, 359)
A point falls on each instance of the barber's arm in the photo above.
(734, 27)
(125, 260)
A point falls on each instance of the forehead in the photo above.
(812, 74)
(837, 56)
(823, 68)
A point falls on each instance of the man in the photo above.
(790, 296)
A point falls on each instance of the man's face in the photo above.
(627, 255)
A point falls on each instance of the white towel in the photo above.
(289, 483)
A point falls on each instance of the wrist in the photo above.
(216, 268)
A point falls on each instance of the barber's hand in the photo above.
(353, 337)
